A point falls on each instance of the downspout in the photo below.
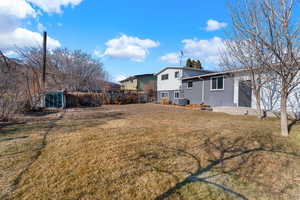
(202, 98)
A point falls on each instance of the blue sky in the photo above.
(130, 37)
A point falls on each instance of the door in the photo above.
(245, 94)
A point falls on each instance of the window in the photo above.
(176, 74)
(176, 95)
(164, 77)
(190, 84)
(164, 94)
(217, 83)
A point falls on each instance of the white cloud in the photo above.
(21, 37)
(8, 23)
(17, 8)
(41, 27)
(213, 25)
(171, 58)
(98, 53)
(119, 78)
(14, 12)
(127, 47)
(54, 6)
(207, 51)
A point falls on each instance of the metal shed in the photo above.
(55, 99)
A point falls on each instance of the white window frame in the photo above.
(216, 77)
(161, 94)
(188, 84)
(164, 79)
(175, 95)
(177, 73)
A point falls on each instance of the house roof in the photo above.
(136, 76)
(214, 74)
(184, 68)
(108, 83)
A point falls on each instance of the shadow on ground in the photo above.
(230, 166)
(28, 140)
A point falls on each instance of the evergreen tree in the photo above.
(189, 63)
(193, 64)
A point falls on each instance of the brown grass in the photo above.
(149, 151)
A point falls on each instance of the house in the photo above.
(233, 89)
(230, 89)
(140, 82)
(169, 81)
(110, 87)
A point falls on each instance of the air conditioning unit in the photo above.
(181, 102)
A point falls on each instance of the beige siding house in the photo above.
(139, 82)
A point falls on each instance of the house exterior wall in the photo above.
(171, 95)
(219, 97)
(129, 85)
(172, 83)
(194, 94)
(210, 97)
(294, 101)
(270, 98)
(242, 77)
(146, 82)
(229, 97)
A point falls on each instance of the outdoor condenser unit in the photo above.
(181, 102)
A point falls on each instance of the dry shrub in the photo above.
(131, 98)
(194, 106)
(97, 99)
(120, 98)
(165, 101)
(83, 99)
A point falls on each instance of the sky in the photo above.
(129, 36)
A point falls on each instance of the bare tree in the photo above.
(243, 54)
(11, 93)
(31, 62)
(270, 95)
(271, 24)
(76, 70)
(66, 69)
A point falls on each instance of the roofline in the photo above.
(215, 74)
(184, 68)
(136, 76)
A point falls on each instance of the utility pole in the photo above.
(44, 61)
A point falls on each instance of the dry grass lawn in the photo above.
(148, 152)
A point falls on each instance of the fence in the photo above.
(79, 99)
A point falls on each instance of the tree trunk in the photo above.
(284, 116)
(257, 89)
(259, 111)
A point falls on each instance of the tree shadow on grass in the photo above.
(51, 126)
(3, 125)
(72, 121)
(240, 158)
(292, 124)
